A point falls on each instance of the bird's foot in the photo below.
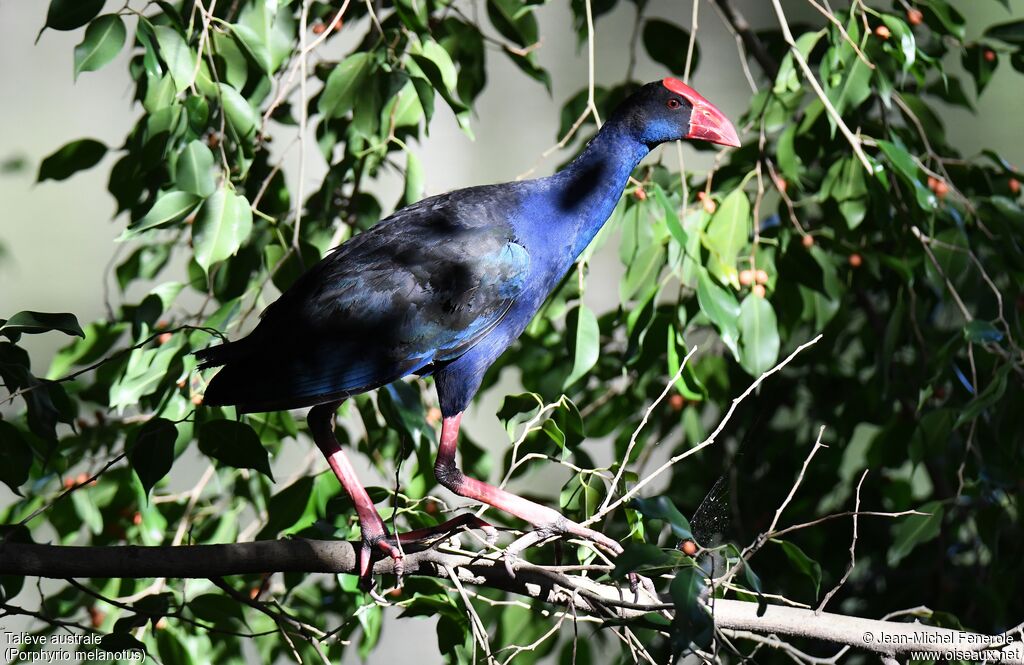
(376, 537)
(559, 527)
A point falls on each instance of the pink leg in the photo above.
(374, 532)
(321, 425)
(546, 520)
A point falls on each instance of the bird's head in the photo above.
(670, 110)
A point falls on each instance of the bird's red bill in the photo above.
(707, 123)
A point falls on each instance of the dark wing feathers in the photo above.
(418, 289)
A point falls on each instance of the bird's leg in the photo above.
(548, 521)
(374, 533)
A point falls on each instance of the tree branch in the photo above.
(751, 41)
(550, 585)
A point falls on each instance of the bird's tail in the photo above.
(222, 354)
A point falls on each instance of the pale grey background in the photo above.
(58, 236)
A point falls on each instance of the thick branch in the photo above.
(547, 584)
(751, 41)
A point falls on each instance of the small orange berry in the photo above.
(433, 415)
(161, 623)
(761, 277)
(676, 402)
(82, 478)
(688, 547)
(163, 338)
(319, 28)
(254, 593)
(782, 185)
(883, 32)
(915, 16)
(196, 399)
(710, 206)
(746, 277)
(395, 593)
(639, 194)
(989, 55)
(855, 260)
(69, 482)
(807, 241)
(941, 189)
(96, 616)
(1014, 185)
(758, 290)
(431, 508)
(137, 518)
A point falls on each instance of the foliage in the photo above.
(912, 268)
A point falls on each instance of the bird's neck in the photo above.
(584, 193)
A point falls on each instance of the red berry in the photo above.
(761, 277)
(883, 32)
(758, 290)
(1014, 185)
(688, 547)
(915, 17)
(807, 241)
(989, 55)
(855, 260)
(676, 402)
(639, 194)
(319, 29)
(746, 277)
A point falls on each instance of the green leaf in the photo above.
(980, 67)
(15, 457)
(982, 332)
(235, 444)
(242, 117)
(721, 308)
(267, 31)
(434, 52)
(169, 207)
(151, 451)
(914, 530)
(103, 40)
(691, 622)
(73, 157)
(947, 16)
(667, 44)
(145, 371)
(988, 397)
(32, 323)
(180, 59)
(514, 20)
(754, 583)
(803, 563)
(85, 508)
(903, 36)
(71, 14)
(341, 90)
(222, 225)
(586, 343)
(643, 557)
(759, 335)
(662, 508)
(727, 233)
(194, 169)
(1011, 33)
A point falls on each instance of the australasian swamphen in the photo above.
(443, 287)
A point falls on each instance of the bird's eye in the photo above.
(673, 103)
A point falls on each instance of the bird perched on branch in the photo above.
(444, 287)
